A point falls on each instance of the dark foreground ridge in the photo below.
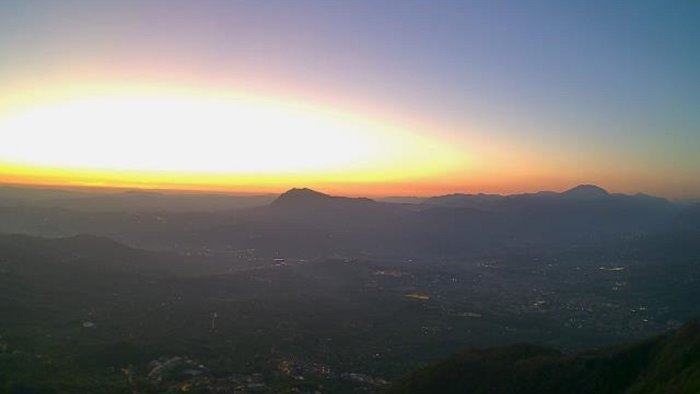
(666, 364)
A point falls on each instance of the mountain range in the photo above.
(304, 222)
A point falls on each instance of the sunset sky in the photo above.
(352, 97)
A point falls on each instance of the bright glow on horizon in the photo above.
(208, 141)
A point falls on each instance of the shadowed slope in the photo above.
(667, 364)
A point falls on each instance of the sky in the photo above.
(352, 97)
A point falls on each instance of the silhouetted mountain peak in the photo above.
(301, 195)
(586, 191)
(307, 199)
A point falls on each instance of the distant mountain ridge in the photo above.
(128, 200)
(305, 222)
(138, 199)
(490, 201)
(453, 224)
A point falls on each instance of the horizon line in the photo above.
(108, 189)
